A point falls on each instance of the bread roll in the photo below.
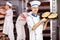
(54, 15)
(46, 14)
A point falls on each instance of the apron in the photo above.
(37, 33)
(20, 28)
(8, 22)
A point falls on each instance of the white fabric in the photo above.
(8, 24)
(9, 4)
(35, 3)
(37, 33)
(20, 27)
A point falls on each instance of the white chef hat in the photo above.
(7, 3)
(35, 3)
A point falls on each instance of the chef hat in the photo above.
(9, 4)
(35, 3)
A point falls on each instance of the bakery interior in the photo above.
(17, 8)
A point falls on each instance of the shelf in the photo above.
(46, 31)
(1, 28)
(48, 28)
(46, 35)
(1, 21)
(45, 1)
(42, 8)
(2, 16)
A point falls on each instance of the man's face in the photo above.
(35, 9)
(6, 7)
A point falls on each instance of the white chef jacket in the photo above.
(37, 33)
(8, 22)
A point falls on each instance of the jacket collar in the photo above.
(34, 15)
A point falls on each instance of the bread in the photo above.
(46, 14)
(54, 15)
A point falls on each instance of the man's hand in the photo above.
(22, 15)
(47, 21)
(43, 20)
(37, 24)
(33, 28)
(45, 24)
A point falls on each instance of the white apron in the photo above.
(8, 24)
(20, 27)
(37, 33)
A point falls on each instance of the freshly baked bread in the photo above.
(45, 14)
(53, 15)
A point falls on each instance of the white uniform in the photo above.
(37, 33)
(8, 24)
(20, 27)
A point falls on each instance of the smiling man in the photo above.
(35, 25)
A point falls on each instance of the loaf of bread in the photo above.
(53, 15)
(45, 14)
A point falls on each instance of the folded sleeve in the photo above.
(30, 22)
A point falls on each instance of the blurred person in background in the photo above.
(8, 22)
(20, 23)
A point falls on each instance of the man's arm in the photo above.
(45, 24)
(33, 26)
(37, 24)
